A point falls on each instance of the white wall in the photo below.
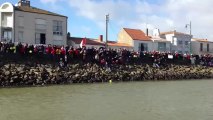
(136, 44)
(196, 48)
(29, 28)
(6, 10)
(155, 46)
(175, 46)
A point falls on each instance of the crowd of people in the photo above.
(64, 55)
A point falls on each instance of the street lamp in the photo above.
(190, 28)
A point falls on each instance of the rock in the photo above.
(6, 66)
(7, 73)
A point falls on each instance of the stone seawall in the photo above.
(18, 75)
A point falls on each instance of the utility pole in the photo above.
(190, 28)
(107, 21)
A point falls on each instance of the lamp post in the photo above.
(190, 29)
(107, 21)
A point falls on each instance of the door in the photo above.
(42, 38)
(143, 47)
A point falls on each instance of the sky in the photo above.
(86, 18)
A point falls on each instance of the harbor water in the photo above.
(169, 100)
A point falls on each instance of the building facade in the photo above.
(26, 24)
(135, 38)
(180, 42)
(202, 46)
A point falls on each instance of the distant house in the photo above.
(97, 43)
(90, 42)
(180, 42)
(135, 38)
(160, 44)
(202, 46)
(27, 24)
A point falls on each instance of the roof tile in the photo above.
(137, 34)
(36, 10)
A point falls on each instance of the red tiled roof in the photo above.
(113, 43)
(137, 34)
(89, 41)
(173, 32)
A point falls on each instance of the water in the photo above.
(176, 100)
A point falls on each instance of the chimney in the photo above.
(100, 38)
(24, 3)
(147, 32)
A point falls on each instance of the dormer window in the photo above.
(5, 6)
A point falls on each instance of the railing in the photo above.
(5, 24)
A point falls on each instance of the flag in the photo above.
(83, 42)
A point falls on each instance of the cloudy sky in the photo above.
(87, 17)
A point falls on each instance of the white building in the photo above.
(160, 44)
(202, 46)
(27, 24)
(180, 42)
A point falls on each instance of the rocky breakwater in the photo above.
(18, 75)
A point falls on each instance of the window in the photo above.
(186, 42)
(5, 6)
(57, 28)
(21, 21)
(40, 24)
(161, 46)
(7, 36)
(207, 47)
(7, 20)
(37, 38)
(180, 42)
(201, 46)
(20, 36)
